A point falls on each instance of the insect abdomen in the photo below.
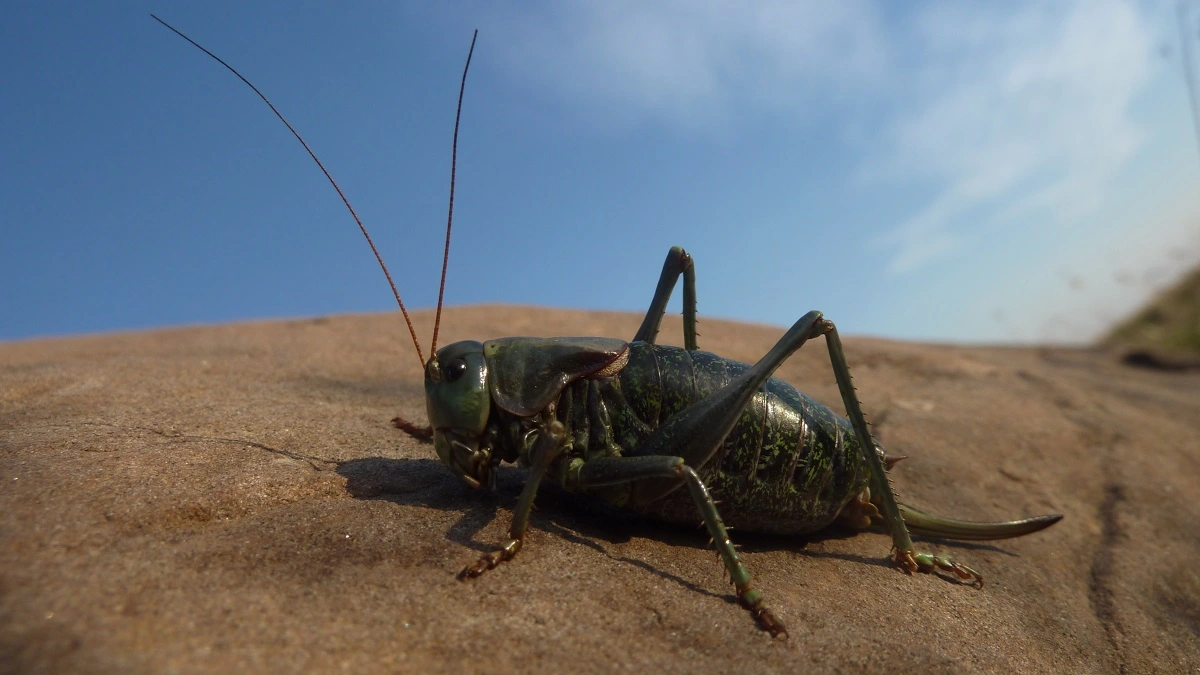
(788, 466)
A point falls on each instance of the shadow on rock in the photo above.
(427, 482)
(576, 519)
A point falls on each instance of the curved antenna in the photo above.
(437, 320)
(332, 182)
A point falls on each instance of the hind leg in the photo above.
(881, 487)
(696, 433)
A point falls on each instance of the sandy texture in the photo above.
(233, 499)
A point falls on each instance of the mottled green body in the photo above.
(788, 466)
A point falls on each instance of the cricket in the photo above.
(672, 433)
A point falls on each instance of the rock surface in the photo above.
(233, 499)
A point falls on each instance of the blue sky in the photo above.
(995, 172)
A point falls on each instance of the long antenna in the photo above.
(437, 320)
(411, 330)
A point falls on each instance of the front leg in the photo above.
(545, 450)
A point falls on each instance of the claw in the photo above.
(927, 562)
(769, 623)
(480, 566)
(752, 600)
(490, 561)
(905, 560)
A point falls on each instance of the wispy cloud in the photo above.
(1009, 110)
(1019, 110)
(691, 63)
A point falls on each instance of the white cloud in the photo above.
(1012, 109)
(690, 63)
(1018, 110)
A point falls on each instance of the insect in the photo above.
(665, 431)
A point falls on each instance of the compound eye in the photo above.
(455, 369)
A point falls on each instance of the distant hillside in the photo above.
(1169, 322)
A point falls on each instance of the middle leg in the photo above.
(617, 470)
(678, 263)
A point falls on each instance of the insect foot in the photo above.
(927, 562)
(490, 560)
(752, 600)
